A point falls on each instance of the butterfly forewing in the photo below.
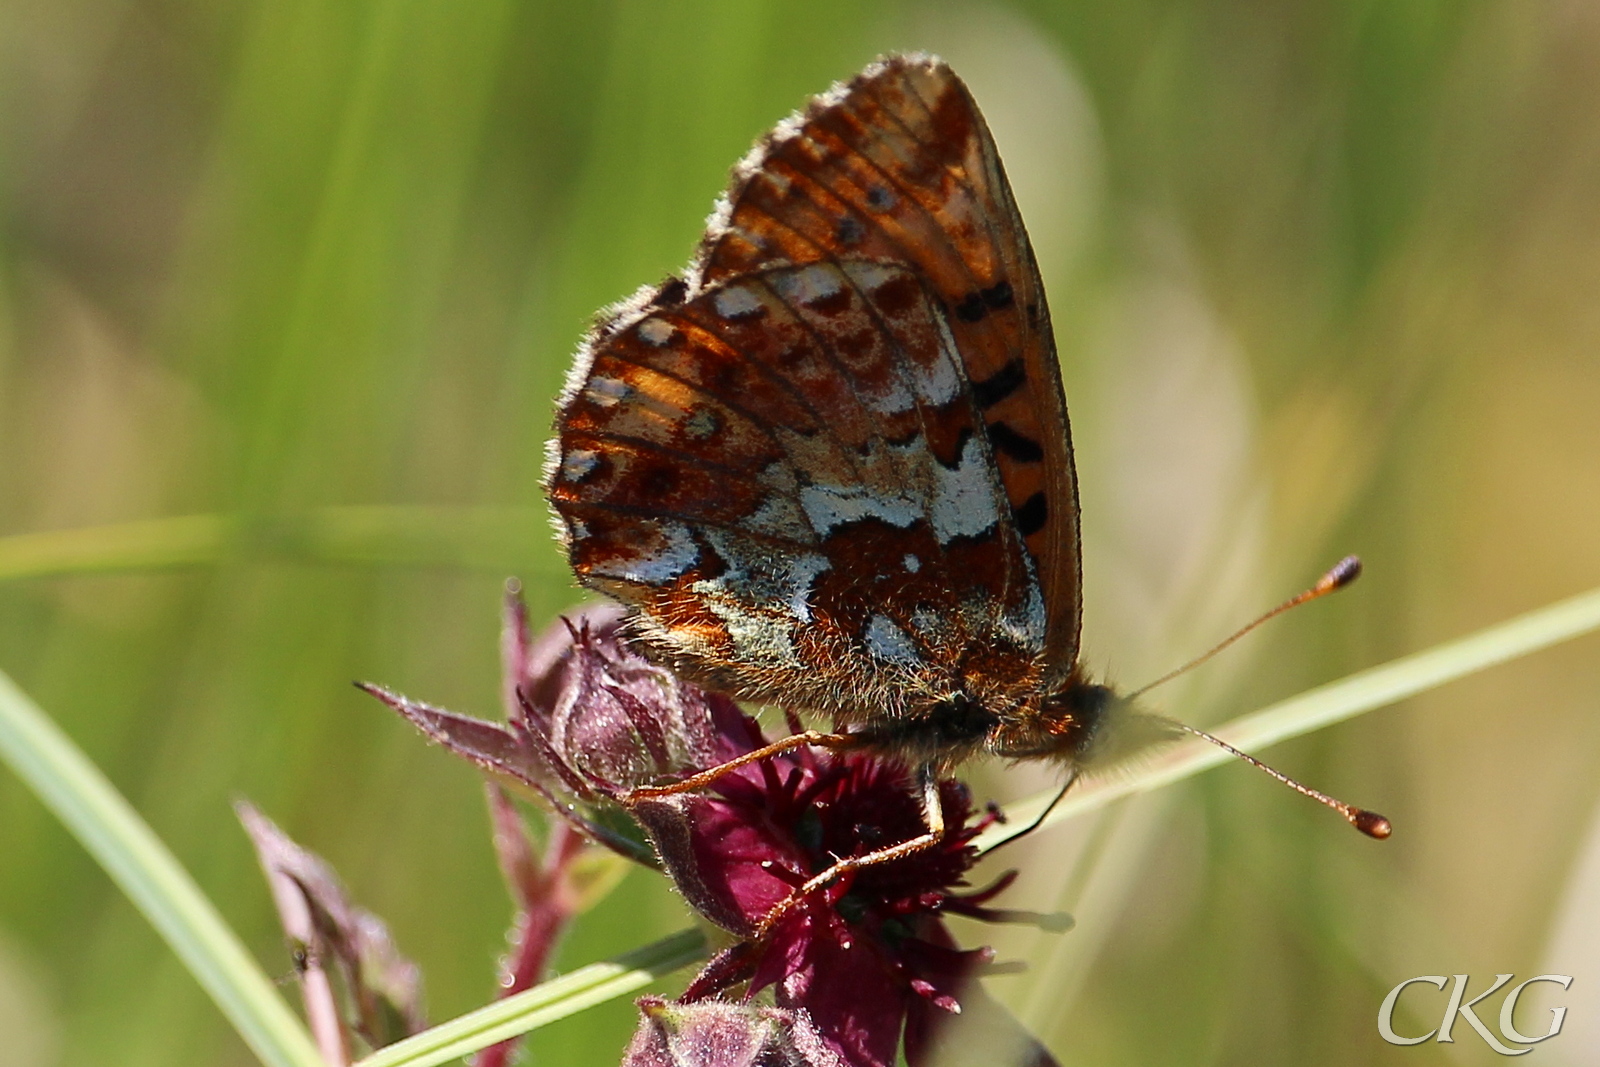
(899, 165)
(830, 466)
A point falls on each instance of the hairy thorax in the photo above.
(1079, 725)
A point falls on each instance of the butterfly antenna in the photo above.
(1339, 575)
(1368, 822)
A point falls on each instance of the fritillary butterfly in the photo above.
(829, 465)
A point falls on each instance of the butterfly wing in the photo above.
(899, 165)
(830, 466)
(786, 476)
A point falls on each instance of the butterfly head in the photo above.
(1081, 725)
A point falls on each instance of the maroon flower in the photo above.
(867, 956)
(863, 960)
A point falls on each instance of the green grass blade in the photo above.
(152, 544)
(500, 540)
(1328, 704)
(98, 816)
(543, 1004)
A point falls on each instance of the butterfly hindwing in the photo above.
(786, 476)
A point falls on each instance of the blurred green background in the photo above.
(1325, 277)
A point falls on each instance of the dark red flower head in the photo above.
(864, 959)
(866, 952)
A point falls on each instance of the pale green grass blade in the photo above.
(543, 1004)
(503, 540)
(1328, 704)
(121, 842)
(151, 544)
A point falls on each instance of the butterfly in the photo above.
(829, 465)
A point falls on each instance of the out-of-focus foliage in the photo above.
(1324, 277)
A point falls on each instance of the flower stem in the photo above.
(543, 1004)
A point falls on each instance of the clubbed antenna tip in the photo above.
(1370, 823)
(1339, 575)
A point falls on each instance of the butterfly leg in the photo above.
(706, 777)
(933, 815)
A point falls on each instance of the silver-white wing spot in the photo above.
(1026, 624)
(757, 637)
(809, 284)
(578, 464)
(778, 516)
(673, 553)
(827, 506)
(870, 275)
(964, 504)
(775, 582)
(607, 392)
(736, 301)
(891, 400)
(888, 642)
(939, 383)
(656, 332)
(803, 572)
